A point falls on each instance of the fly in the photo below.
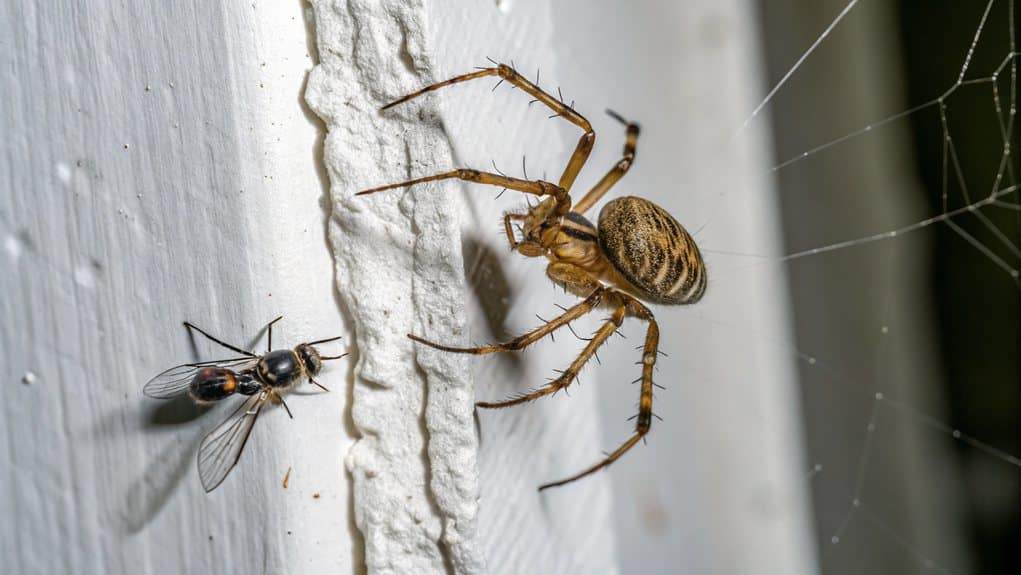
(259, 377)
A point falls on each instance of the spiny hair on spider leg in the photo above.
(658, 351)
(571, 327)
(526, 394)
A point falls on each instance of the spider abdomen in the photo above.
(652, 251)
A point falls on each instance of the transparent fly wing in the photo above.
(221, 448)
(174, 382)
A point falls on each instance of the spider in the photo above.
(637, 253)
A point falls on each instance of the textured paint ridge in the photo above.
(399, 269)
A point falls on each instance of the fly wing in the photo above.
(221, 448)
(174, 382)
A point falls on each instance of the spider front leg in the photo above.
(644, 416)
(559, 108)
(559, 196)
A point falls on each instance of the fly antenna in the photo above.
(328, 340)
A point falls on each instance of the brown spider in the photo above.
(638, 252)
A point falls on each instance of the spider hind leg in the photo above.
(644, 417)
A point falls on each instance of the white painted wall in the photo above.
(160, 165)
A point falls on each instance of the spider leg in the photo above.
(525, 340)
(534, 187)
(644, 423)
(559, 108)
(568, 376)
(558, 196)
(617, 171)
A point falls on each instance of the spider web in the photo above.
(864, 519)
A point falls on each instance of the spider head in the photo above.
(538, 228)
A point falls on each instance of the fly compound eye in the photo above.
(310, 359)
(260, 378)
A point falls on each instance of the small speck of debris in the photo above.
(288, 532)
(148, 88)
(210, 537)
(287, 477)
(315, 496)
(126, 146)
(29, 378)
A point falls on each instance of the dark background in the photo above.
(978, 308)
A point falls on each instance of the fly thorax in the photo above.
(279, 368)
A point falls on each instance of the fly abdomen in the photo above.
(214, 384)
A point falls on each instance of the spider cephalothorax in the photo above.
(637, 252)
